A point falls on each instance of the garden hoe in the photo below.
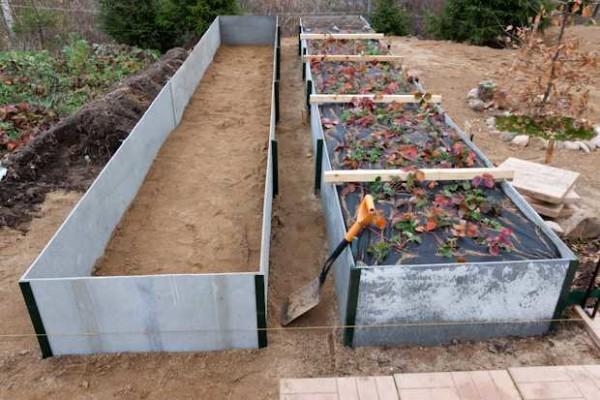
(308, 297)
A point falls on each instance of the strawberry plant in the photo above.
(379, 250)
(361, 77)
(343, 46)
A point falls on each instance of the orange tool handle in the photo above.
(366, 215)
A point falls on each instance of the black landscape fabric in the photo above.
(427, 222)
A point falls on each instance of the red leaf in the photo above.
(408, 152)
(391, 88)
(431, 225)
(441, 200)
(488, 180)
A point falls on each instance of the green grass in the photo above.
(558, 128)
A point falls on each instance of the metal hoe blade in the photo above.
(301, 301)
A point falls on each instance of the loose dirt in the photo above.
(297, 252)
(200, 207)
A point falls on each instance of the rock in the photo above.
(554, 226)
(477, 105)
(491, 122)
(597, 130)
(583, 224)
(85, 384)
(520, 140)
(308, 155)
(570, 145)
(486, 90)
(473, 94)
(594, 143)
(507, 136)
(583, 147)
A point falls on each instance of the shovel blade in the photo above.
(301, 301)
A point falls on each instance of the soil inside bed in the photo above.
(200, 207)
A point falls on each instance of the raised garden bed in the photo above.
(74, 312)
(459, 260)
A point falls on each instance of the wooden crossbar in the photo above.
(324, 36)
(429, 174)
(353, 57)
(384, 98)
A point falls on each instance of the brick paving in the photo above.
(575, 382)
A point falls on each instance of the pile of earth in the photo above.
(69, 155)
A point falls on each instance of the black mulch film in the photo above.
(427, 222)
(369, 47)
(360, 77)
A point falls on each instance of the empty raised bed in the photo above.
(168, 250)
(458, 259)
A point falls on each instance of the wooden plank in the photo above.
(541, 181)
(441, 174)
(377, 98)
(572, 197)
(308, 385)
(347, 388)
(592, 326)
(353, 57)
(386, 388)
(349, 36)
(545, 208)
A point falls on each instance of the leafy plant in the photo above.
(36, 89)
(161, 24)
(379, 250)
(481, 22)
(449, 248)
(389, 18)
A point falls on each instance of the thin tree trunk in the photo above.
(549, 152)
(565, 19)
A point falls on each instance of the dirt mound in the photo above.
(70, 154)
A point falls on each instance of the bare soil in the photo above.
(200, 207)
(297, 252)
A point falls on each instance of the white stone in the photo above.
(476, 105)
(583, 147)
(507, 136)
(473, 94)
(554, 226)
(594, 143)
(597, 130)
(570, 145)
(491, 122)
(520, 140)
